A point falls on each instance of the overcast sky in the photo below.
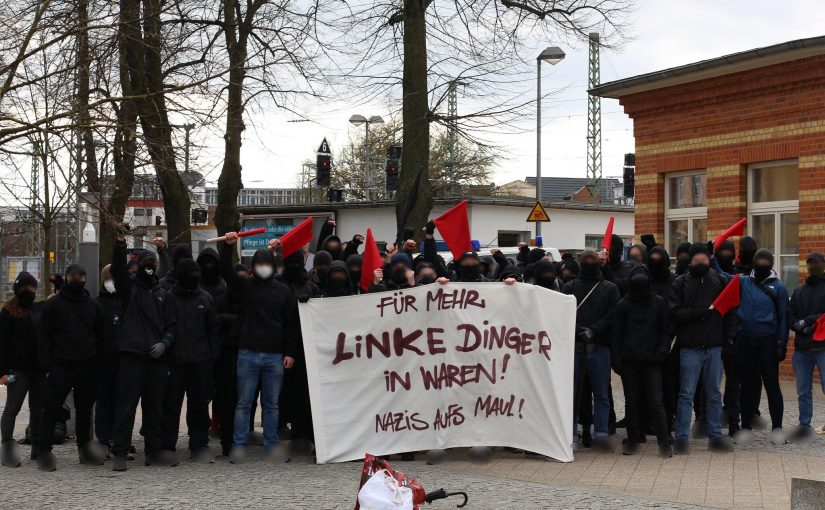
(665, 34)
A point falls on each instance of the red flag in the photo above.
(454, 228)
(371, 262)
(728, 298)
(737, 229)
(296, 238)
(819, 331)
(608, 235)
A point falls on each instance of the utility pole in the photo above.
(594, 121)
(452, 134)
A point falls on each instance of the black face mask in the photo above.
(682, 265)
(725, 261)
(293, 272)
(658, 268)
(321, 273)
(335, 252)
(355, 276)
(547, 281)
(761, 273)
(209, 272)
(399, 275)
(76, 287)
(25, 298)
(639, 287)
(746, 257)
(337, 283)
(615, 257)
(470, 272)
(816, 269)
(426, 280)
(189, 281)
(590, 269)
(699, 270)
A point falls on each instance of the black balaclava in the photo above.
(589, 264)
(354, 265)
(335, 252)
(726, 256)
(640, 289)
(747, 249)
(147, 268)
(294, 270)
(24, 296)
(698, 270)
(469, 272)
(425, 280)
(208, 262)
(189, 274)
(338, 282)
(659, 265)
(181, 251)
(320, 264)
(511, 272)
(616, 250)
(682, 258)
(535, 255)
(545, 274)
(569, 270)
(762, 264)
(76, 286)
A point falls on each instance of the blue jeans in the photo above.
(598, 370)
(803, 365)
(268, 367)
(707, 363)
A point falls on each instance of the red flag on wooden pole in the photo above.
(728, 298)
(296, 238)
(454, 228)
(608, 235)
(371, 261)
(737, 229)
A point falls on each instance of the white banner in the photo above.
(441, 366)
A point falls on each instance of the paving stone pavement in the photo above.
(754, 476)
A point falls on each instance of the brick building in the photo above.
(734, 136)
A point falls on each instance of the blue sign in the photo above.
(257, 241)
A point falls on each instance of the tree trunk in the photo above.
(413, 203)
(229, 183)
(85, 137)
(47, 260)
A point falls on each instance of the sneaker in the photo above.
(733, 428)
(237, 455)
(302, 447)
(665, 450)
(630, 449)
(436, 456)
(743, 436)
(225, 449)
(759, 423)
(46, 462)
(681, 446)
(119, 463)
(277, 455)
(778, 436)
(802, 434)
(9, 455)
(90, 455)
(720, 444)
(203, 456)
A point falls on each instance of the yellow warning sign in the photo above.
(538, 213)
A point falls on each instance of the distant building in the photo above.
(259, 196)
(554, 189)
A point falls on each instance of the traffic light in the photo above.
(629, 176)
(393, 167)
(323, 164)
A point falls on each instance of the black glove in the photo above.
(157, 350)
(781, 353)
(430, 228)
(584, 335)
(357, 239)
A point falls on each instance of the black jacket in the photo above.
(694, 324)
(619, 274)
(197, 331)
(145, 321)
(18, 337)
(268, 314)
(112, 308)
(640, 329)
(595, 312)
(71, 330)
(214, 285)
(807, 304)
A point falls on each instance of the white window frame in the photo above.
(776, 208)
(685, 213)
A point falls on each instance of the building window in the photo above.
(686, 209)
(773, 210)
(139, 211)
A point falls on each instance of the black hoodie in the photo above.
(338, 266)
(71, 330)
(18, 336)
(268, 313)
(197, 334)
(296, 277)
(747, 249)
(660, 274)
(694, 324)
(640, 329)
(211, 282)
(617, 270)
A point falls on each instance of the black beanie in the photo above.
(535, 255)
(698, 248)
(263, 256)
(295, 257)
(683, 248)
(187, 266)
(23, 279)
(765, 254)
(181, 251)
(75, 268)
(322, 258)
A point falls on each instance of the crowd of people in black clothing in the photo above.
(167, 327)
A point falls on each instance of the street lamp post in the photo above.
(357, 120)
(552, 55)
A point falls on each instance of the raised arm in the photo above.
(233, 281)
(327, 230)
(120, 273)
(164, 265)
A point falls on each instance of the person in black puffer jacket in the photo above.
(700, 334)
(640, 344)
(662, 278)
(18, 358)
(596, 299)
(147, 330)
(192, 357)
(806, 307)
(70, 344)
(268, 328)
(110, 304)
